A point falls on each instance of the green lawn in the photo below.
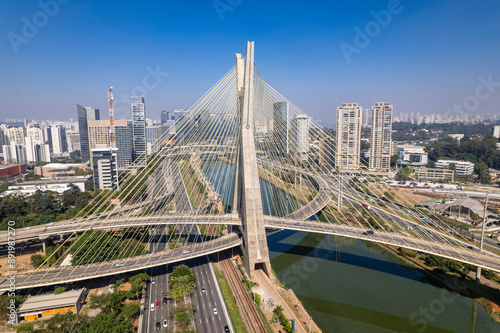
(234, 312)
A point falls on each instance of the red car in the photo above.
(157, 304)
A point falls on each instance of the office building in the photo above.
(411, 155)
(152, 134)
(84, 115)
(98, 134)
(166, 116)
(281, 127)
(104, 164)
(59, 140)
(300, 130)
(138, 126)
(381, 137)
(462, 168)
(348, 136)
(179, 114)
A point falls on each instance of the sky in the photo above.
(422, 56)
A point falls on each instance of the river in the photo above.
(354, 286)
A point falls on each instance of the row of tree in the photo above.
(42, 207)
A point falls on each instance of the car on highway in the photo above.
(369, 232)
(164, 300)
(157, 304)
(226, 329)
(153, 281)
(202, 289)
(27, 228)
(298, 223)
(152, 307)
(185, 251)
(51, 223)
(165, 323)
(119, 264)
(215, 311)
(158, 325)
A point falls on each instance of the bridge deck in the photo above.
(60, 275)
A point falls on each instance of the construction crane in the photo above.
(112, 138)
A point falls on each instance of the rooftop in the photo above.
(49, 301)
(59, 180)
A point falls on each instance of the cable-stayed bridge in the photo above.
(238, 163)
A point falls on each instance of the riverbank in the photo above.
(463, 285)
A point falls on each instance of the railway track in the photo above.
(248, 312)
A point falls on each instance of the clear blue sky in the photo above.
(427, 58)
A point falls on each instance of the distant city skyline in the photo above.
(420, 55)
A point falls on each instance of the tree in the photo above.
(394, 160)
(136, 285)
(36, 260)
(404, 173)
(131, 310)
(108, 303)
(59, 290)
(182, 282)
(107, 323)
(454, 266)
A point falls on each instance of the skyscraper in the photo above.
(138, 126)
(85, 114)
(381, 138)
(281, 126)
(59, 141)
(300, 126)
(348, 136)
(166, 116)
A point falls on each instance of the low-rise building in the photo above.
(462, 168)
(432, 174)
(57, 170)
(58, 185)
(10, 170)
(50, 304)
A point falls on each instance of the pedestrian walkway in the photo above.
(269, 291)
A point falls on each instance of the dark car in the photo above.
(157, 325)
(164, 300)
(226, 329)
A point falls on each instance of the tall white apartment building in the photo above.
(381, 137)
(348, 136)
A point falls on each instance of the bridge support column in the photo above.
(44, 245)
(478, 275)
(247, 198)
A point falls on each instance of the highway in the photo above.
(57, 275)
(156, 292)
(204, 318)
